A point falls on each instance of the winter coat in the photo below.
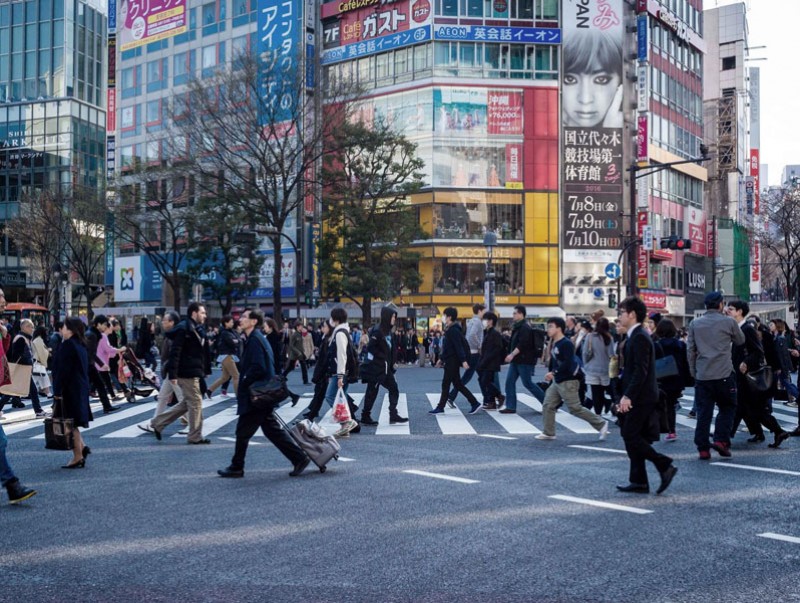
(189, 357)
(257, 364)
(71, 381)
(493, 351)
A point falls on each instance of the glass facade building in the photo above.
(52, 109)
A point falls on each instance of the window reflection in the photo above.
(473, 220)
(455, 275)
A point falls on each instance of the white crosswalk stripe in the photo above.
(132, 431)
(563, 418)
(384, 428)
(451, 421)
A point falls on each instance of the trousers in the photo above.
(246, 428)
(635, 430)
(191, 405)
(390, 383)
(452, 376)
(229, 371)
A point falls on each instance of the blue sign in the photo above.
(381, 44)
(279, 44)
(613, 271)
(112, 16)
(641, 37)
(489, 33)
(598, 293)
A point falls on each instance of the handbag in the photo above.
(20, 385)
(58, 431)
(666, 366)
(759, 380)
(341, 410)
(267, 394)
(5, 379)
(613, 367)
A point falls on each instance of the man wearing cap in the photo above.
(709, 354)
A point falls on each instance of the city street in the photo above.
(451, 508)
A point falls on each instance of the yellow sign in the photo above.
(642, 283)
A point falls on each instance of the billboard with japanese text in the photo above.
(591, 130)
(280, 42)
(143, 21)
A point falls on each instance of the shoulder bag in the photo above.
(267, 394)
(760, 380)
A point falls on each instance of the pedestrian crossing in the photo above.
(220, 419)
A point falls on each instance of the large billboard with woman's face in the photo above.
(591, 132)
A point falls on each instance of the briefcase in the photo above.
(58, 433)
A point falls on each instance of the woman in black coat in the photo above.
(71, 385)
(668, 344)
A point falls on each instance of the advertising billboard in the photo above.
(280, 43)
(288, 267)
(136, 279)
(143, 21)
(493, 33)
(591, 118)
(697, 230)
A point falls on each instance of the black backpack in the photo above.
(538, 342)
(352, 367)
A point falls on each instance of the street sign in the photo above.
(598, 293)
(613, 271)
(647, 238)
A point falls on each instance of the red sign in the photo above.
(504, 112)
(755, 269)
(712, 243)
(111, 111)
(642, 139)
(641, 6)
(697, 229)
(653, 298)
(382, 20)
(500, 6)
(513, 163)
(642, 259)
(755, 168)
(420, 11)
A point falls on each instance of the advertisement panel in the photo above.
(375, 22)
(653, 298)
(642, 139)
(111, 110)
(149, 21)
(136, 279)
(504, 112)
(513, 166)
(697, 230)
(280, 43)
(592, 184)
(754, 172)
(493, 33)
(112, 61)
(112, 17)
(111, 154)
(288, 266)
(382, 44)
(642, 45)
(642, 259)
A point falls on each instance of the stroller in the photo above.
(131, 372)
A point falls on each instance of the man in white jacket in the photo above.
(337, 365)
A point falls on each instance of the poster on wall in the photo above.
(140, 22)
(591, 120)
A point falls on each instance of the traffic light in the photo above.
(612, 300)
(676, 243)
(308, 298)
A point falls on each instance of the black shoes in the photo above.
(636, 488)
(86, 452)
(666, 478)
(780, 438)
(79, 465)
(756, 439)
(17, 404)
(17, 492)
(295, 399)
(230, 472)
(795, 432)
(398, 420)
(300, 467)
(368, 421)
(156, 433)
(203, 441)
(110, 409)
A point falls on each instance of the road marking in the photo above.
(614, 450)
(451, 421)
(229, 439)
(514, 423)
(346, 459)
(603, 505)
(563, 417)
(287, 412)
(133, 430)
(495, 437)
(763, 469)
(384, 428)
(774, 536)
(214, 423)
(460, 480)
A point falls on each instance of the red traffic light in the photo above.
(676, 243)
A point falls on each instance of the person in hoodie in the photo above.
(337, 365)
(381, 368)
(454, 356)
(493, 351)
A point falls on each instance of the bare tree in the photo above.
(255, 132)
(780, 238)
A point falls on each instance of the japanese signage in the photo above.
(382, 44)
(513, 166)
(145, 21)
(111, 163)
(642, 259)
(112, 61)
(109, 260)
(287, 271)
(712, 238)
(749, 194)
(642, 139)
(754, 172)
(642, 46)
(330, 9)
(112, 17)
(316, 236)
(697, 229)
(592, 184)
(643, 89)
(755, 267)
(504, 112)
(653, 298)
(111, 110)
(374, 22)
(489, 33)
(279, 47)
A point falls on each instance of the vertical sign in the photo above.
(592, 184)
(316, 234)
(111, 149)
(109, 270)
(279, 49)
(112, 17)
(755, 248)
(111, 110)
(642, 259)
(642, 46)
(112, 61)
(642, 139)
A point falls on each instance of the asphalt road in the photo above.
(150, 521)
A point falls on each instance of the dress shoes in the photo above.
(300, 467)
(666, 478)
(230, 472)
(795, 432)
(398, 420)
(203, 441)
(756, 439)
(636, 488)
(780, 438)
(507, 411)
(110, 409)
(368, 421)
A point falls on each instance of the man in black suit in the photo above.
(638, 403)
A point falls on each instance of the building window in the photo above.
(447, 8)
(728, 63)
(209, 57)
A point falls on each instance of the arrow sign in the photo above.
(613, 271)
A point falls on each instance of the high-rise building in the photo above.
(52, 111)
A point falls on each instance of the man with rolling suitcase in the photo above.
(257, 364)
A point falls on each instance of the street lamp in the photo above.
(490, 242)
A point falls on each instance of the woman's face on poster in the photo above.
(587, 98)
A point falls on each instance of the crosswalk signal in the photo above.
(676, 243)
(612, 300)
(308, 298)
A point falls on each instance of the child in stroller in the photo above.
(131, 371)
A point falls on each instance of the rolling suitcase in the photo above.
(320, 447)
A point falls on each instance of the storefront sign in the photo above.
(504, 112)
(112, 17)
(145, 21)
(674, 23)
(642, 46)
(382, 44)
(487, 33)
(111, 157)
(697, 229)
(375, 22)
(749, 194)
(754, 172)
(513, 165)
(642, 139)
(112, 61)
(643, 89)
(653, 298)
(712, 238)
(642, 258)
(755, 267)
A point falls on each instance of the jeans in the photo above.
(6, 473)
(473, 362)
(791, 388)
(721, 392)
(525, 372)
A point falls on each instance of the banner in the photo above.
(697, 230)
(591, 118)
(279, 44)
(140, 22)
(504, 112)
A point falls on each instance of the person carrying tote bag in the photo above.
(20, 364)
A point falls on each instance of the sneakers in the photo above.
(603, 432)
(671, 437)
(475, 409)
(544, 436)
(346, 428)
(704, 455)
(17, 492)
(42, 415)
(791, 404)
(722, 448)
(183, 432)
(490, 406)
(184, 421)
(436, 411)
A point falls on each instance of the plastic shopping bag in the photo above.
(341, 410)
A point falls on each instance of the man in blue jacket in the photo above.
(257, 364)
(454, 356)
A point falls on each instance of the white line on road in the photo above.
(763, 469)
(346, 459)
(614, 450)
(774, 536)
(229, 439)
(384, 427)
(597, 503)
(452, 421)
(460, 480)
(495, 437)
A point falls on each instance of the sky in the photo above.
(773, 23)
